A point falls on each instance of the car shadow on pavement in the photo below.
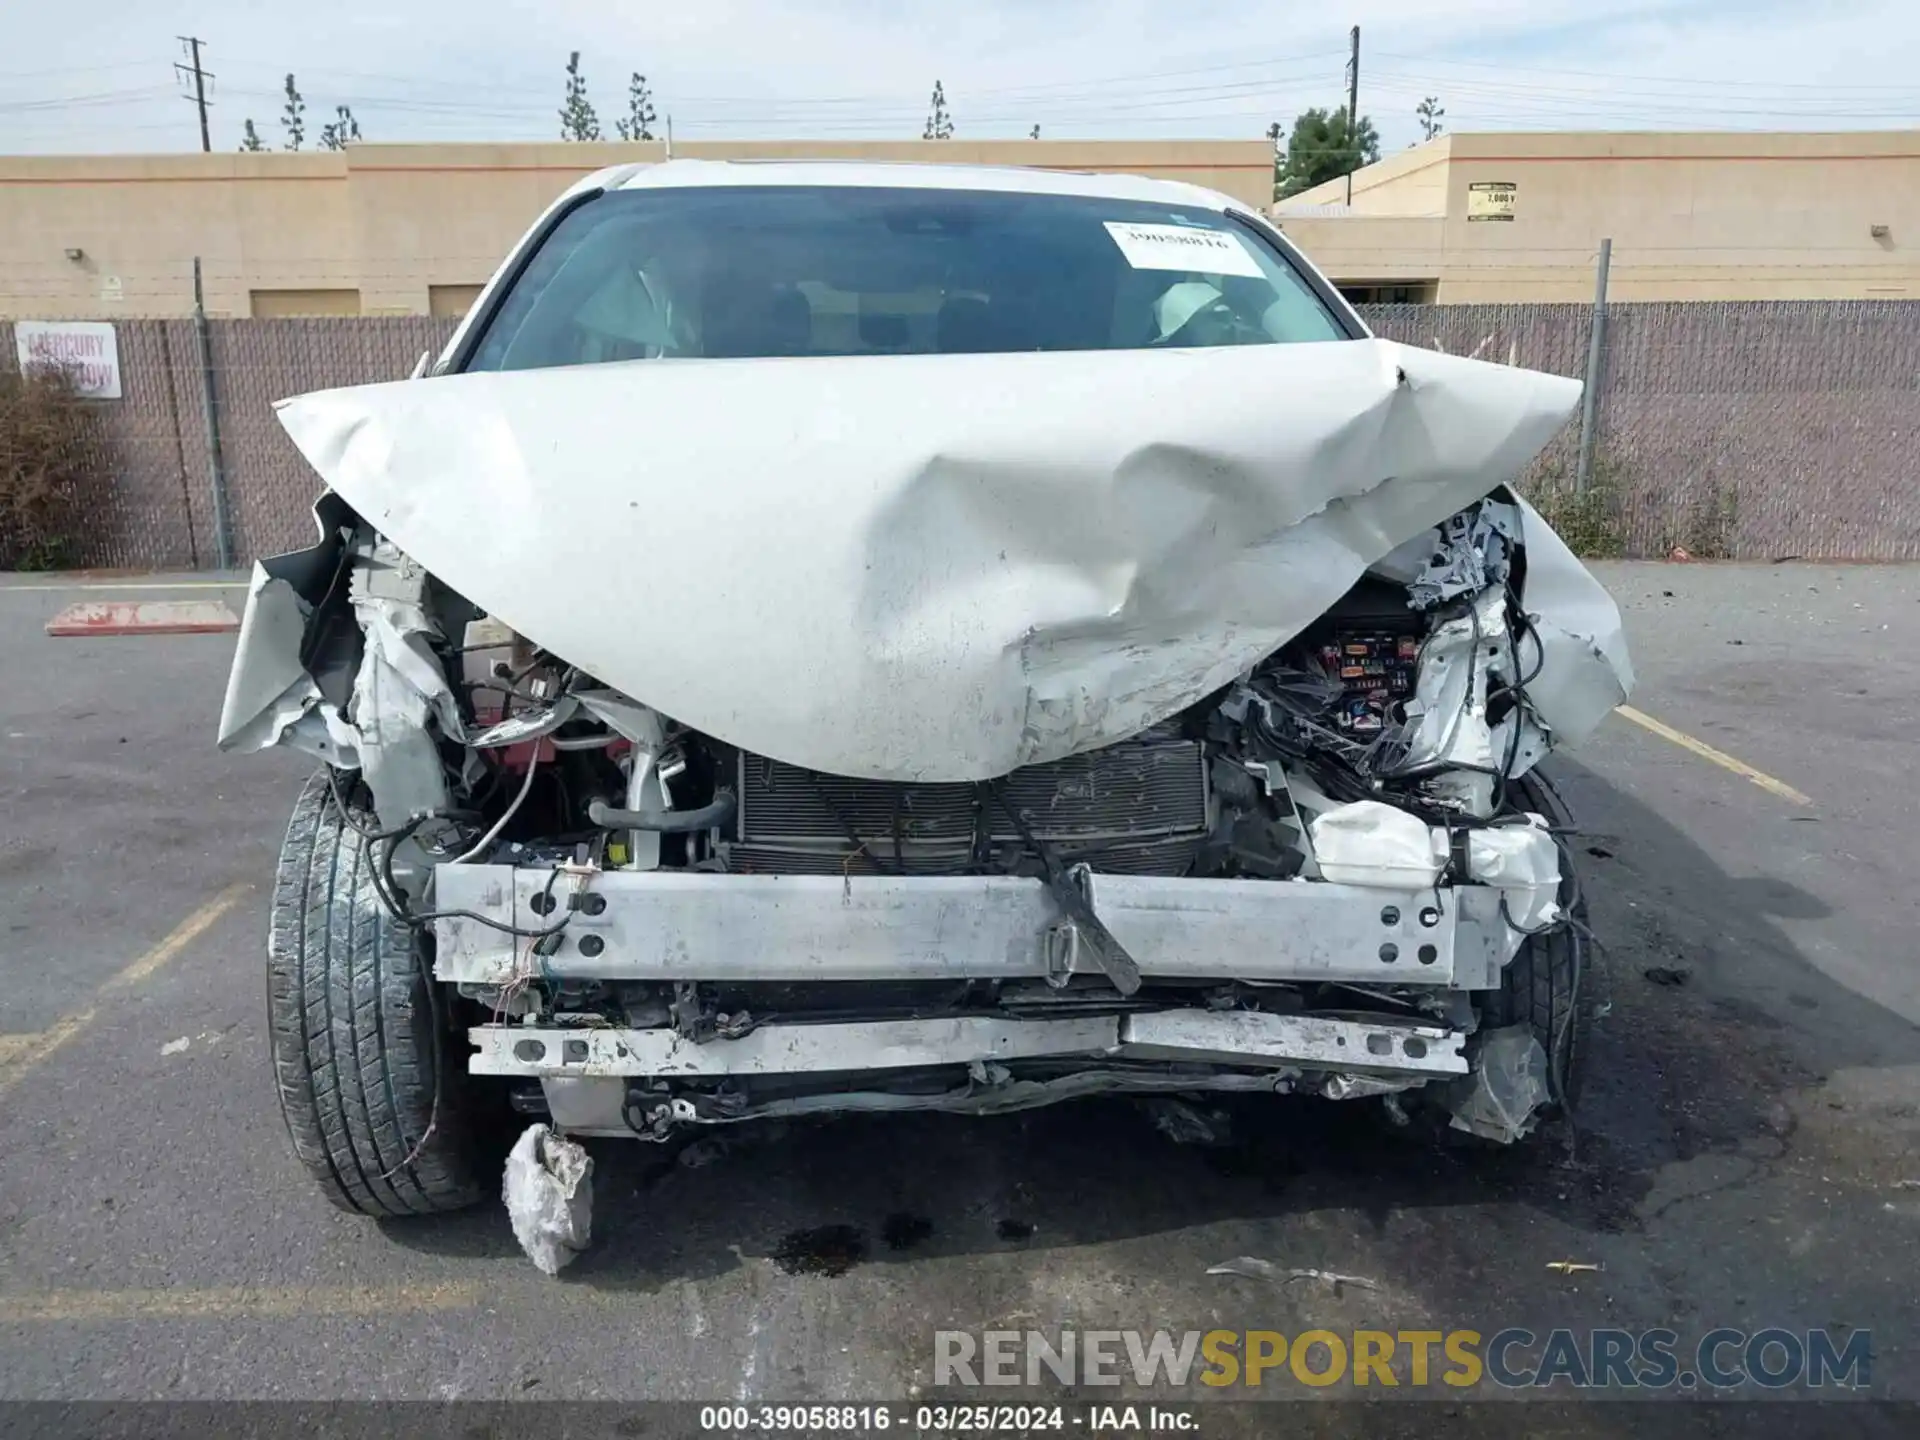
(1713, 1032)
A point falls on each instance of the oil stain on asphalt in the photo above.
(829, 1250)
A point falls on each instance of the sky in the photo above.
(102, 78)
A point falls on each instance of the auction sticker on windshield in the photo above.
(1177, 247)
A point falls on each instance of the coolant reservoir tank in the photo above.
(1371, 843)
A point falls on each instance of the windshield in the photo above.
(820, 270)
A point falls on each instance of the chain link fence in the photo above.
(1748, 430)
(1745, 430)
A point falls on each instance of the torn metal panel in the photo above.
(1584, 670)
(271, 699)
(1448, 714)
(399, 687)
(298, 649)
(1047, 552)
(1470, 552)
(333, 660)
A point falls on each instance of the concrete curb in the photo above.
(144, 617)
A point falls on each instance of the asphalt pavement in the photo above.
(1746, 1152)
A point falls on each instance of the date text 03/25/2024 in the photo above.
(949, 1419)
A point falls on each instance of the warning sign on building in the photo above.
(1491, 199)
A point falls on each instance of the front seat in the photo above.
(756, 320)
(967, 325)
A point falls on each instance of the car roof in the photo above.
(904, 175)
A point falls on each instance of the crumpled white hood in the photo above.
(935, 567)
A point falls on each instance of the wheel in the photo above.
(376, 1112)
(1544, 988)
(1546, 985)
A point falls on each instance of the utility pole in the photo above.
(191, 45)
(1353, 103)
(1596, 355)
(210, 413)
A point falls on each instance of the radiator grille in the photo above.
(1137, 807)
(1156, 857)
(1128, 790)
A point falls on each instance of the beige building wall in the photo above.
(397, 229)
(1691, 216)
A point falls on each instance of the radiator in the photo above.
(1139, 807)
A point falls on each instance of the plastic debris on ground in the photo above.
(1507, 1086)
(1254, 1268)
(549, 1196)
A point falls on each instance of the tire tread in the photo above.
(351, 1031)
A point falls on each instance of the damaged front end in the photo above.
(1148, 806)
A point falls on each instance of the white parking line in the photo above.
(254, 1301)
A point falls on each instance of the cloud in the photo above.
(438, 70)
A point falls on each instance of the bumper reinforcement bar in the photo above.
(1210, 1037)
(676, 925)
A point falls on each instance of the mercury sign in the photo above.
(86, 349)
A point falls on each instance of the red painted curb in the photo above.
(143, 617)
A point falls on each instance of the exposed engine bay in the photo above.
(1337, 874)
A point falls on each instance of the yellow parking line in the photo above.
(184, 934)
(13, 1046)
(20, 1053)
(1718, 757)
(238, 1301)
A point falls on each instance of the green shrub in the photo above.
(1706, 525)
(1588, 520)
(47, 458)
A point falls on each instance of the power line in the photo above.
(1616, 92)
(73, 70)
(1617, 75)
(100, 98)
(1643, 99)
(1035, 90)
(873, 106)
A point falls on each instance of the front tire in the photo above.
(1546, 986)
(376, 1111)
